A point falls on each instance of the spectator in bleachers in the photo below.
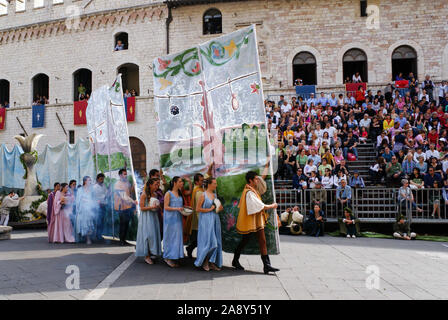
(328, 179)
(324, 166)
(421, 164)
(290, 163)
(356, 181)
(406, 198)
(310, 166)
(416, 179)
(350, 144)
(377, 171)
(343, 195)
(388, 154)
(408, 165)
(434, 198)
(394, 172)
(299, 180)
(314, 225)
(430, 177)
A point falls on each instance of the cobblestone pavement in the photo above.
(311, 268)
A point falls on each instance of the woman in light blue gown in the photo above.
(209, 229)
(86, 207)
(149, 242)
(173, 242)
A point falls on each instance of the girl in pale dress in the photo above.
(149, 242)
(60, 222)
(173, 243)
(209, 229)
(86, 206)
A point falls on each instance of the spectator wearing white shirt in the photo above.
(419, 153)
(286, 107)
(365, 122)
(432, 152)
(309, 167)
(356, 78)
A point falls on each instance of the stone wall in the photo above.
(39, 41)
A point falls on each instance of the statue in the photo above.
(29, 159)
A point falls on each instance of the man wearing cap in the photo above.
(319, 196)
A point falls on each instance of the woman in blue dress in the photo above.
(209, 229)
(173, 242)
(149, 242)
(85, 211)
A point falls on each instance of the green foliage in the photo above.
(22, 161)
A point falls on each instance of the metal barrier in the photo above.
(377, 205)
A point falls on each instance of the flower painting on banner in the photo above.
(209, 108)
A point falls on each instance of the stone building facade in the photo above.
(61, 37)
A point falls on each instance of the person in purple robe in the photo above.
(50, 201)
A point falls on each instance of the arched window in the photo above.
(304, 67)
(82, 84)
(130, 77)
(121, 41)
(4, 92)
(138, 152)
(355, 60)
(404, 61)
(212, 21)
(41, 87)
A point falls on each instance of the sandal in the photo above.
(149, 260)
(206, 267)
(214, 267)
(170, 263)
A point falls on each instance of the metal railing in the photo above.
(378, 205)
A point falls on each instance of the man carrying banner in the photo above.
(123, 203)
(252, 219)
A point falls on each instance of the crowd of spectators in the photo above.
(408, 127)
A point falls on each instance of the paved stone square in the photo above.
(311, 268)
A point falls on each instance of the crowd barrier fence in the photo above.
(376, 205)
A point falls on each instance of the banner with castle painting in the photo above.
(209, 105)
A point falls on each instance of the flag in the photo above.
(109, 137)
(305, 91)
(353, 87)
(402, 84)
(2, 118)
(79, 112)
(130, 108)
(38, 116)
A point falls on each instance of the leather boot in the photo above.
(235, 262)
(267, 265)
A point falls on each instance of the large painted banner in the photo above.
(210, 109)
(109, 137)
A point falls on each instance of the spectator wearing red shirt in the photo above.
(433, 136)
(360, 95)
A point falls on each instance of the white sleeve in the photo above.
(254, 205)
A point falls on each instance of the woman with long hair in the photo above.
(62, 209)
(209, 229)
(149, 242)
(173, 244)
